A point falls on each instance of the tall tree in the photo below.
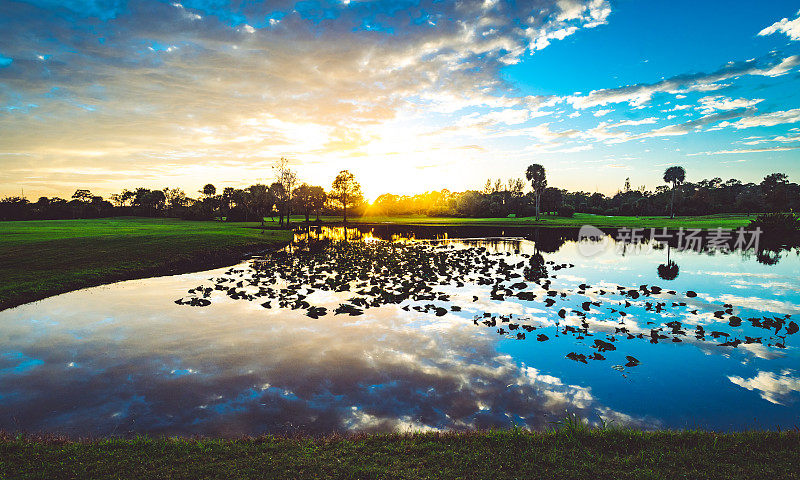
(287, 178)
(308, 199)
(209, 190)
(83, 195)
(210, 193)
(346, 191)
(259, 200)
(175, 197)
(226, 200)
(538, 178)
(674, 175)
(278, 195)
(302, 200)
(318, 199)
(774, 188)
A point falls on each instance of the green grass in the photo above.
(43, 258)
(567, 453)
(703, 221)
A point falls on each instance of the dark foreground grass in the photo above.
(43, 258)
(589, 454)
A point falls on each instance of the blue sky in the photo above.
(411, 96)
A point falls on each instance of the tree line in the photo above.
(286, 196)
(281, 199)
(499, 198)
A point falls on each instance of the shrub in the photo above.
(776, 223)
(566, 211)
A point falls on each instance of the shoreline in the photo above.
(189, 241)
(42, 259)
(197, 262)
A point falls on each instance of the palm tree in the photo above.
(538, 178)
(675, 176)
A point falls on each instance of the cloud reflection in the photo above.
(775, 388)
(236, 368)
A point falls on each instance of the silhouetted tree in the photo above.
(209, 190)
(309, 199)
(278, 195)
(674, 175)
(259, 200)
(83, 195)
(773, 187)
(346, 191)
(226, 200)
(538, 178)
(552, 198)
(210, 201)
(175, 198)
(287, 178)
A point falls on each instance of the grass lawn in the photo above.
(704, 221)
(583, 454)
(43, 258)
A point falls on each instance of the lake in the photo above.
(416, 328)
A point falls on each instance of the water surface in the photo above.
(125, 358)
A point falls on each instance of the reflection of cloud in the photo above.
(773, 388)
(755, 303)
(235, 368)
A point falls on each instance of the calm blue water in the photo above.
(125, 358)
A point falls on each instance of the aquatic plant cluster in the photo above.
(416, 274)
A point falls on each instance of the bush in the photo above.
(236, 214)
(776, 223)
(566, 211)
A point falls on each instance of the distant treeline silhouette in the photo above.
(500, 199)
(233, 204)
(254, 203)
(497, 199)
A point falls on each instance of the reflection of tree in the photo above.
(549, 240)
(768, 257)
(536, 269)
(669, 270)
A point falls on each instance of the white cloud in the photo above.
(714, 103)
(746, 150)
(769, 119)
(639, 94)
(789, 27)
(795, 137)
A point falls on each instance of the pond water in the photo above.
(433, 340)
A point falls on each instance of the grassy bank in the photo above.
(597, 454)
(702, 221)
(43, 258)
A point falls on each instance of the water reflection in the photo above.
(669, 270)
(126, 358)
(242, 369)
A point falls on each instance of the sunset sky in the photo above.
(409, 95)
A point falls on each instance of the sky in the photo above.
(410, 95)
